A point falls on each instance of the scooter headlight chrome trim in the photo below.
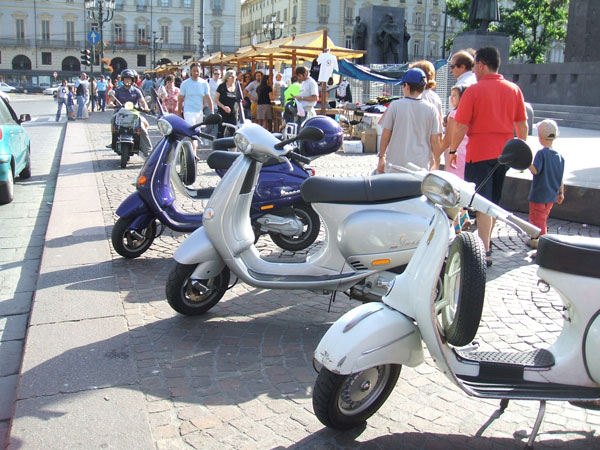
(242, 143)
(440, 191)
(164, 127)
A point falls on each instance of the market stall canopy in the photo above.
(306, 46)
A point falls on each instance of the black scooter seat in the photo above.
(221, 159)
(577, 255)
(371, 189)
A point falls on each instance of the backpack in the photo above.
(80, 92)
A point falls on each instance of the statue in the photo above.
(405, 44)
(485, 11)
(389, 36)
(359, 34)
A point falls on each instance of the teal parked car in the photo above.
(15, 152)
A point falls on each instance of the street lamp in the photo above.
(272, 29)
(156, 45)
(101, 12)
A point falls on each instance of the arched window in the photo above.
(21, 62)
(118, 65)
(71, 64)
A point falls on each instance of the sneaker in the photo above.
(532, 243)
(109, 146)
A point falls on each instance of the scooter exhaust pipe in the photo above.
(287, 226)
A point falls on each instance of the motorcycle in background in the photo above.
(127, 128)
(363, 351)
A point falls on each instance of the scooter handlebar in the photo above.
(523, 225)
(223, 143)
(299, 158)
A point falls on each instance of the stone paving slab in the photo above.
(71, 293)
(76, 356)
(13, 327)
(103, 419)
(8, 386)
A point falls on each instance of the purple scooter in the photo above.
(277, 209)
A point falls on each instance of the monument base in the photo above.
(477, 39)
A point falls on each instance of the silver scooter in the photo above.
(373, 225)
(363, 351)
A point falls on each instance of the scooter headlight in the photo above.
(440, 191)
(164, 127)
(241, 142)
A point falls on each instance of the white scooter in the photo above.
(373, 226)
(363, 351)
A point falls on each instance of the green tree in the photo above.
(531, 24)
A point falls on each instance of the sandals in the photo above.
(488, 258)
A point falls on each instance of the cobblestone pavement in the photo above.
(241, 376)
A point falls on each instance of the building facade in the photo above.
(424, 21)
(41, 37)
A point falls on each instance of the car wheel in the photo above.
(26, 172)
(7, 189)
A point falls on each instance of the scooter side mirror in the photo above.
(212, 119)
(516, 154)
(310, 134)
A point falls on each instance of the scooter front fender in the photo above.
(367, 336)
(133, 206)
(197, 248)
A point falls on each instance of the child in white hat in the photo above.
(547, 187)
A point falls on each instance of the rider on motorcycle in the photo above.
(129, 92)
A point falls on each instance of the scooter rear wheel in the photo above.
(461, 304)
(185, 296)
(346, 401)
(312, 224)
(128, 244)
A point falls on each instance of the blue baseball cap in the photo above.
(414, 76)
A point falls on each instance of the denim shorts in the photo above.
(476, 172)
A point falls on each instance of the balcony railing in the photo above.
(13, 42)
(54, 43)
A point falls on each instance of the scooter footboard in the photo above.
(370, 335)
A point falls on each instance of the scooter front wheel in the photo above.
(194, 297)
(125, 153)
(463, 291)
(346, 401)
(311, 225)
(131, 243)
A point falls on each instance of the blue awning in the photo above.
(362, 73)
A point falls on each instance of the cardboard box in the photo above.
(353, 147)
(369, 140)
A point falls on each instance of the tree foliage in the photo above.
(531, 24)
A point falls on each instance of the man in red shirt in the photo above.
(488, 113)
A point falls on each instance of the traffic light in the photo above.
(85, 57)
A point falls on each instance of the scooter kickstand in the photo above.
(536, 425)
